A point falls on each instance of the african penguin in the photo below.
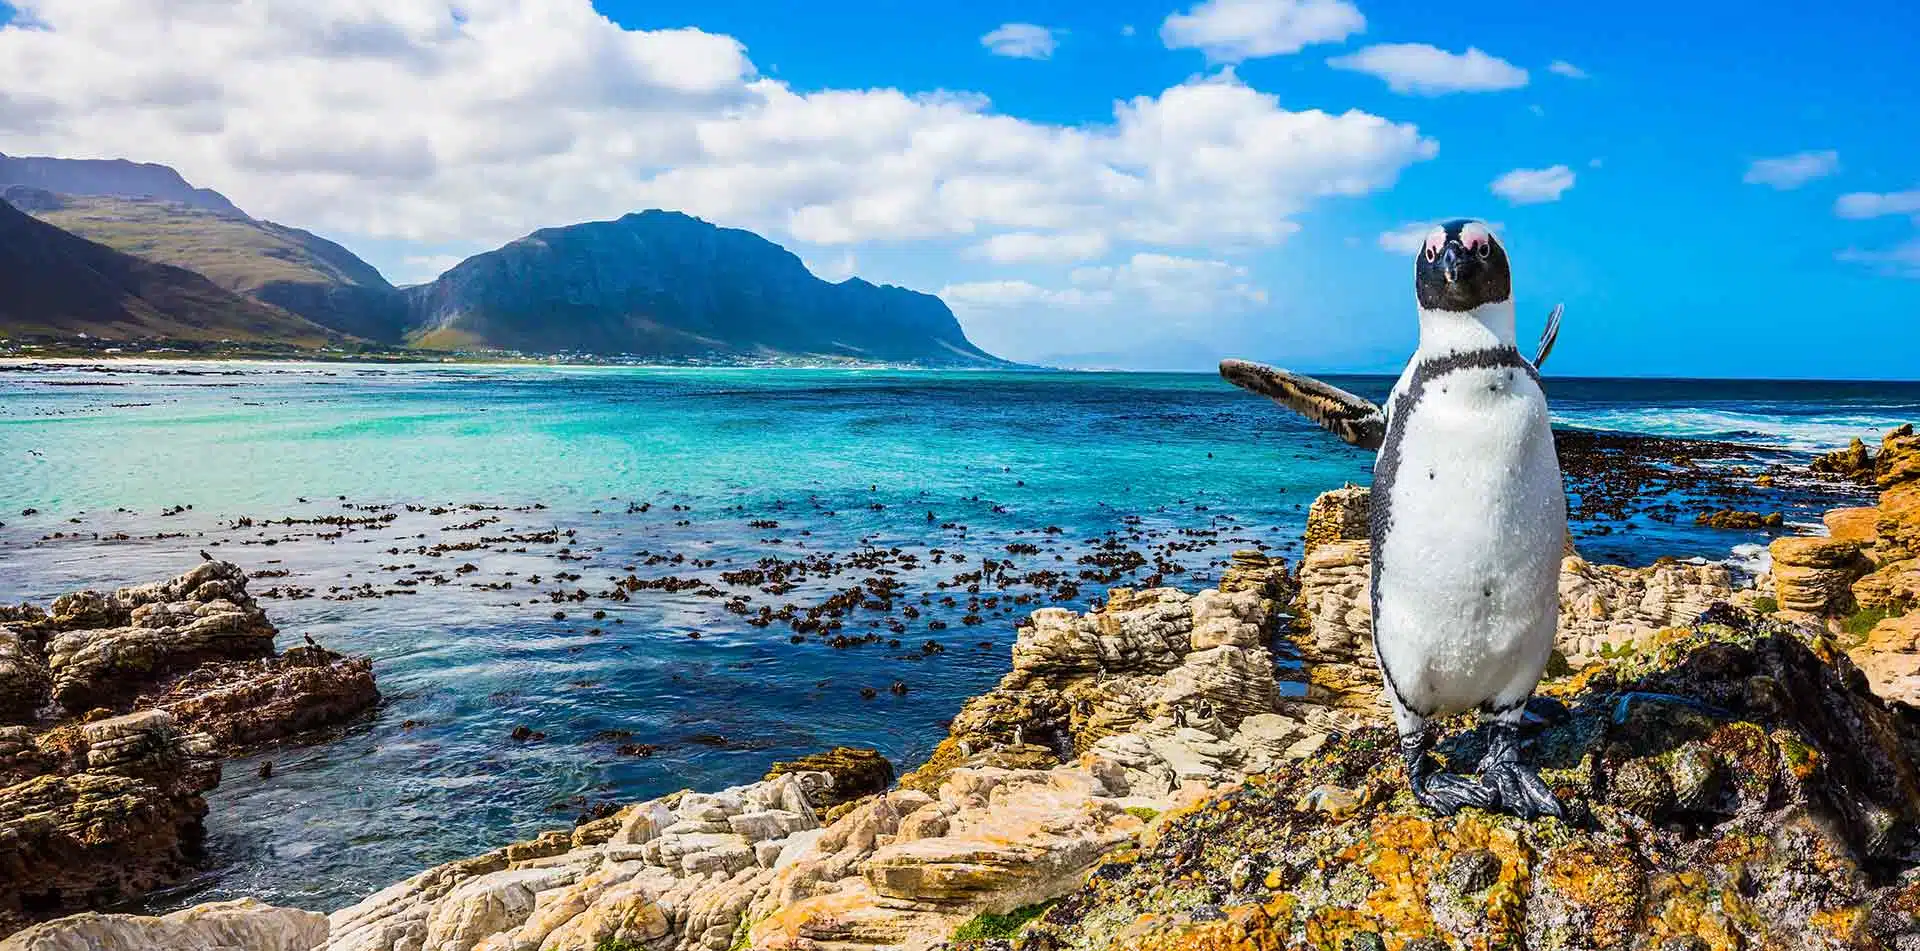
(1469, 517)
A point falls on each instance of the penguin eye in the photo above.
(1485, 249)
(1429, 254)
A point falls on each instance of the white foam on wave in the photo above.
(1749, 561)
(1820, 432)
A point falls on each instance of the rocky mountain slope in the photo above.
(273, 264)
(58, 284)
(111, 177)
(668, 285)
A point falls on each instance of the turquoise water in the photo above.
(404, 512)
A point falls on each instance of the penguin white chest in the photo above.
(1468, 546)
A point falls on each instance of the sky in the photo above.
(1713, 189)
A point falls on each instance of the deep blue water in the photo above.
(881, 477)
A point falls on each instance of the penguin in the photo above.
(1469, 517)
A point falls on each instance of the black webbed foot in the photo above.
(1515, 787)
(1444, 793)
(1448, 793)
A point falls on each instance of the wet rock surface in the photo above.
(94, 813)
(124, 705)
(1736, 786)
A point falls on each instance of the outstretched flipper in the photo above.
(1549, 335)
(1355, 420)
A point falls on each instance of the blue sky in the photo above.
(1674, 252)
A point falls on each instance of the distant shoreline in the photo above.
(9, 360)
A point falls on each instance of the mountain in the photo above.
(271, 263)
(664, 284)
(112, 177)
(58, 284)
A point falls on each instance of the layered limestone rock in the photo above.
(1604, 608)
(242, 925)
(676, 872)
(1333, 612)
(98, 812)
(246, 703)
(1736, 787)
(1890, 657)
(1813, 575)
(855, 773)
(1894, 544)
(108, 647)
(1863, 577)
(1173, 668)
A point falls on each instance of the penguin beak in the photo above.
(1450, 263)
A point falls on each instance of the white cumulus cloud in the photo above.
(1563, 68)
(1902, 260)
(1532, 186)
(1420, 69)
(436, 122)
(1017, 246)
(1229, 31)
(1788, 172)
(1876, 204)
(1163, 283)
(1021, 41)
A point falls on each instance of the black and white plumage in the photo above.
(1468, 516)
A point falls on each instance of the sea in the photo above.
(673, 577)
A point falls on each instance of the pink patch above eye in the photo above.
(1473, 236)
(1436, 241)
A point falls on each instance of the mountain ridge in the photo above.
(111, 177)
(663, 283)
(652, 284)
(54, 283)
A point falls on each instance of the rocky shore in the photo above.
(1211, 770)
(118, 708)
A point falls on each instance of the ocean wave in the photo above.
(1804, 433)
(1749, 561)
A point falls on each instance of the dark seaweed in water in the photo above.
(1622, 482)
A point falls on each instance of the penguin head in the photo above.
(1460, 267)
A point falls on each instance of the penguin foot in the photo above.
(1448, 793)
(1515, 787)
(1517, 790)
(1444, 793)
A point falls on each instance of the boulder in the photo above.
(110, 647)
(1854, 463)
(1814, 575)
